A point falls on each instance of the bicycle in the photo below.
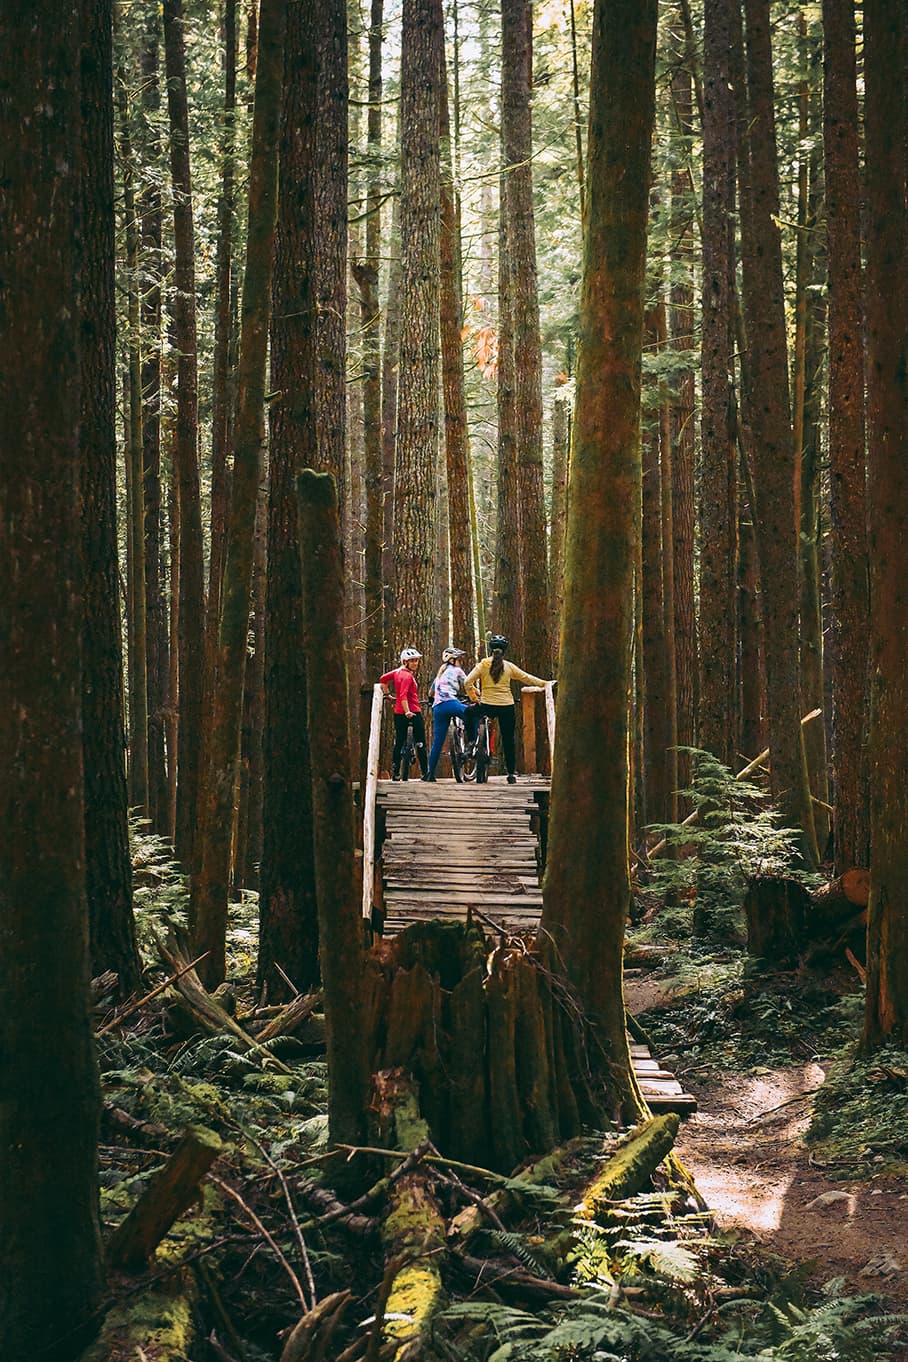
(408, 753)
(471, 762)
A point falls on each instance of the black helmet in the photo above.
(498, 643)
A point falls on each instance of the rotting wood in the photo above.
(161, 1317)
(311, 1336)
(628, 1170)
(171, 1191)
(290, 1018)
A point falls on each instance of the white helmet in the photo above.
(409, 655)
(452, 654)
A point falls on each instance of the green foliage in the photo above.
(860, 1115)
(737, 835)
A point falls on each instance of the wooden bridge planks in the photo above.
(450, 848)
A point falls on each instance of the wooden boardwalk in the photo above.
(450, 849)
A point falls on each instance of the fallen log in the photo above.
(290, 1018)
(629, 1168)
(508, 1201)
(311, 1336)
(170, 1192)
(785, 919)
(413, 1232)
(158, 1322)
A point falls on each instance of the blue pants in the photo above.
(442, 715)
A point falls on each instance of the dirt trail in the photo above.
(745, 1149)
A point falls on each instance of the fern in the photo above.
(517, 1247)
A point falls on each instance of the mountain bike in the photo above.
(408, 754)
(471, 762)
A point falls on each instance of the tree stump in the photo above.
(496, 1057)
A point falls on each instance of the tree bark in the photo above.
(847, 475)
(773, 442)
(886, 122)
(507, 613)
(718, 497)
(340, 923)
(210, 887)
(389, 385)
(151, 225)
(136, 632)
(108, 870)
(684, 442)
(50, 1250)
(220, 378)
(457, 436)
(657, 726)
(191, 630)
(517, 138)
(588, 834)
(288, 928)
(417, 398)
(367, 276)
(558, 518)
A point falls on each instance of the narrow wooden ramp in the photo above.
(451, 848)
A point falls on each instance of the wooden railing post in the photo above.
(369, 793)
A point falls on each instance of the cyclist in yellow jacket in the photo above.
(494, 675)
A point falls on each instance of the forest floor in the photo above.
(755, 1146)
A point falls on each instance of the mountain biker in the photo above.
(495, 674)
(406, 709)
(446, 690)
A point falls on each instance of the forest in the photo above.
(513, 396)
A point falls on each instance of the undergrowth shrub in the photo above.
(860, 1115)
(707, 864)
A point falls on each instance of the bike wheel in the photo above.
(483, 756)
(457, 757)
(406, 761)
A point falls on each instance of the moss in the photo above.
(158, 1324)
(417, 1295)
(629, 1168)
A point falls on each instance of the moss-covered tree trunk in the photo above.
(190, 634)
(108, 871)
(415, 477)
(340, 922)
(50, 1251)
(885, 45)
(288, 927)
(847, 479)
(558, 516)
(208, 902)
(517, 136)
(773, 441)
(587, 884)
(389, 383)
(718, 481)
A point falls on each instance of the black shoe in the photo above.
(428, 777)
(512, 779)
(395, 775)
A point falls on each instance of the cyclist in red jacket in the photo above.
(406, 709)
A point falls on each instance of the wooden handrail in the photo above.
(369, 794)
(550, 717)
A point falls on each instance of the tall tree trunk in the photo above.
(457, 436)
(718, 498)
(773, 442)
(656, 723)
(588, 834)
(191, 628)
(210, 888)
(220, 379)
(507, 613)
(560, 475)
(807, 401)
(751, 668)
(136, 633)
(50, 1245)
(886, 123)
(151, 223)
(340, 923)
(108, 870)
(684, 442)
(517, 131)
(331, 241)
(389, 385)
(288, 926)
(847, 485)
(417, 398)
(249, 854)
(367, 278)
